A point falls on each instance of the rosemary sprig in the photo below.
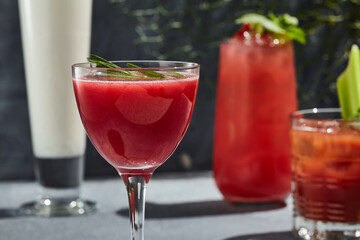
(146, 72)
(103, 63)
(115, 70)
(176, 74)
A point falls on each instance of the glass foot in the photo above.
(53, 208)
(306, 229)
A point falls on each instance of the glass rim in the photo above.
(187, 65)
(300, 114)
(237, 43)
(315, 111)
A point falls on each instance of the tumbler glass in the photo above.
(326, 174)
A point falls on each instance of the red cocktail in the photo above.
(136, 117)
(326, 171)
(135, 124)
(255, 96)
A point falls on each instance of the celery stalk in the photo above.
(348, 86)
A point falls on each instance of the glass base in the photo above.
(53, 208)
(307, 229)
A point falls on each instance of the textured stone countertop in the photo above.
(178, 206)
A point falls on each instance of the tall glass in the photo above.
(136, 122)
(326, 175)
(55, 34)
(256, 93)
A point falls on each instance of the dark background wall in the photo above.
(175, 30)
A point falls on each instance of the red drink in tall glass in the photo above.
(135, 125)
(256, 94)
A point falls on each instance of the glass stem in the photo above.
(136, 188)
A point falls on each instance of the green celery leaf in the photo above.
(297, 34)
(348, 86)
(257, 19)
(284, 25)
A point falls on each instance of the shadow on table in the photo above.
(9, 213)
(266, 236)
(206, 208)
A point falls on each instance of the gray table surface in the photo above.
(178, 206)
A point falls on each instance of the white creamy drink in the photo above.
(55, 35)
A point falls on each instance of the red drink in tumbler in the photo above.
(326, 170)
(325, 164)
(256, 94)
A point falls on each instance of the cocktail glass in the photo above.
(55, 34)
(256, 93)
(326, 174)
(136, 123)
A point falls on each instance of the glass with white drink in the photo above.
(55, 34)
